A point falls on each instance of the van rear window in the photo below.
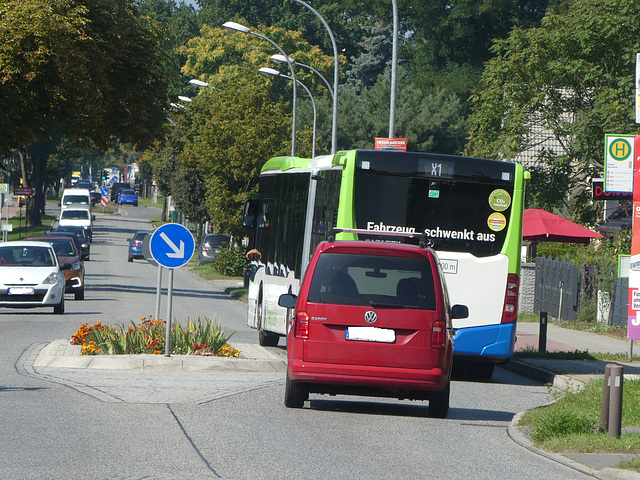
(369, 280)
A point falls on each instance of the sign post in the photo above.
(171, 246)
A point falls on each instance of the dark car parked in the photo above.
(210, 246)
(96, 198)
(135, 246)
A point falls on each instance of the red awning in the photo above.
(543, 226)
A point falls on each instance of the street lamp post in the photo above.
(236, 27)
(394, 73)
(270, 71)
(334, 122)
(282, 59)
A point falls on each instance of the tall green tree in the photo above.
(89, 68)
(573, 79)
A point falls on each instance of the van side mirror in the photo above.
(459, 311)
(287, 300)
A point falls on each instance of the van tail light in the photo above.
(302, 326)
(510, 311)
(438, 335)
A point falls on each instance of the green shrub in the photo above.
(562, 423)
(230, 261)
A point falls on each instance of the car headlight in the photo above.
(75, 267)
(53, 278)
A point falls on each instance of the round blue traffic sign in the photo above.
(172, 245)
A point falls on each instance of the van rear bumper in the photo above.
(339, 378)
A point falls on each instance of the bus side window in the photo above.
(250, 210)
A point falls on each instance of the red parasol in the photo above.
(543, 226)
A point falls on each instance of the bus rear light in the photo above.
(302, 326)
(510, 311)
(438, 335)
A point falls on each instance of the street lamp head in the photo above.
(184, 99)
(281, 59)
(269, 71)
(236, 27)
(198, 83)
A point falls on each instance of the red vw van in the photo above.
(371, 319)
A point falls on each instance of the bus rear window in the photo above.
(456, 215)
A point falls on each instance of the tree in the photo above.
(572, 78)
(67, 66)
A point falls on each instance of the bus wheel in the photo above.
(439, 403)
(295, 394)
(265, 339)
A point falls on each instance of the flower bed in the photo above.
(197, 338)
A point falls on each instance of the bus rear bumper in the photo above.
(493, 343)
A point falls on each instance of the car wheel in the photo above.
(295, 394)
(439, 402)
(265, 339)
(79, 295)
(129, 259)
(59, 309)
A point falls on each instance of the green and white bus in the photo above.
(469, 209)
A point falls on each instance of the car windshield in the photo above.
(63, 247)
(128, 192)
(79, 231)
(354, 279)
(26, 256)
(75, 215)
(71, 199)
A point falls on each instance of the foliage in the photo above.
(68, 68)
(198, 338)
(570, 423)
(231, 260)
(578, 68)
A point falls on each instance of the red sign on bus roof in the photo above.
(391, 144)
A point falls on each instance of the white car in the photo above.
(80, 217)
(30, 276)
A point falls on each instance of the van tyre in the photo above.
(295, 394)
(79, 295)
(439, 402)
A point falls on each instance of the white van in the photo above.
(75, 197)
(77, 216)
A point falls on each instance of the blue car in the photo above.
(135, 246)
(128, 197)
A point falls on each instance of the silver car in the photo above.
(210, 246)
(30, 276)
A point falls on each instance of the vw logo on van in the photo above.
(370, 317)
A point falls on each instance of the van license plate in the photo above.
(21, 291)
(371, 334)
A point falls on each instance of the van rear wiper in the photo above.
(390, 305)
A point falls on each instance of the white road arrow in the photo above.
(177, 252)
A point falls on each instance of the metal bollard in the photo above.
(616, 381)
(604, 407)
(542, 339)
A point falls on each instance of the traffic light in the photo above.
(104, 175)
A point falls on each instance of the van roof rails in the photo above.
(424, 242)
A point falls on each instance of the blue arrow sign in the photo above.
(104, 191)
(172, 245)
